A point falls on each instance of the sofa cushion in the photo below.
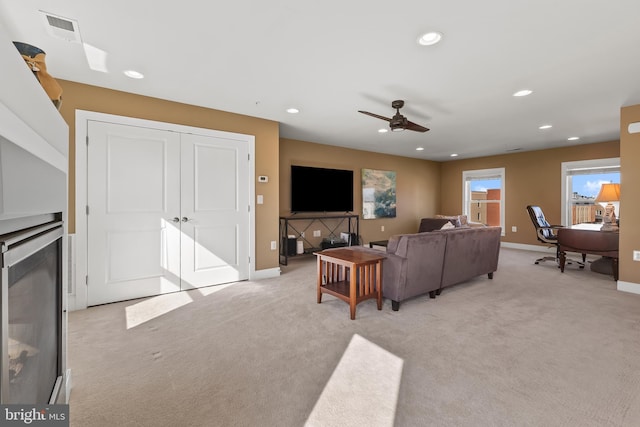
(457, 220)
(448, 226)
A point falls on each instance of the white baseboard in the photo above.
(633, 288)
(525, 247)
(267, 273)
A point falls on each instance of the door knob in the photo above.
(185, 219)
(175, 219)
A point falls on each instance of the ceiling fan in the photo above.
(398, 122)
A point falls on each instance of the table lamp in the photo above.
(609, 193)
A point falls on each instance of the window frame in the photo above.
(594, 166)
(494, 173)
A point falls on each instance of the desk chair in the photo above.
(545, 232)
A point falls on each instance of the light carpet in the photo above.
(532, 347)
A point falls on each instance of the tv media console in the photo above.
(299, 226)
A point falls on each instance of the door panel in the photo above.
(130, 188)
(216, 247)
(215, 202)
(133, 192)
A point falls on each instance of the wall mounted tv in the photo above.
(321, 190)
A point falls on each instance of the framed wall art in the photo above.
(378, 194)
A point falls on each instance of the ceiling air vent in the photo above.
(62, 28)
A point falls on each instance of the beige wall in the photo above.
(630, 202)
(424, 188)
(531, 178)
(417, 183)
(91, 98)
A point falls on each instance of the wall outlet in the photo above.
(316, 233)
(382, 228)
(636, 255)
(514, 229)
(273, 245)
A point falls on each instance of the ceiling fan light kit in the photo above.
(398, 122)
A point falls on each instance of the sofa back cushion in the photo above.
(457, 220)
(432, 224)
(470, 252)
(423, 255)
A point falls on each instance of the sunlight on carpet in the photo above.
(150, 308)
(208, 290)
(363, 389)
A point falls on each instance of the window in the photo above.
(581, 183)
(483, 196)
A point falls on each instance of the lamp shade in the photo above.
(608, 193)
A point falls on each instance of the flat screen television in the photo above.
(321, 189)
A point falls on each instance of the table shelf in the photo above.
(341, 291)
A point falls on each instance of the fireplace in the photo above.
(32, 332)
(34, 148)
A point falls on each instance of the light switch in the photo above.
(260, 199)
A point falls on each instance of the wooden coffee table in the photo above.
(350, 275)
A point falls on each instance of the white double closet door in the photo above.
(168, 211)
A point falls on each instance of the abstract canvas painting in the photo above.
(378, 194)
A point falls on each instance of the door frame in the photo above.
(78, 295)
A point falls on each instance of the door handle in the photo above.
(175, 219)
(185, 219)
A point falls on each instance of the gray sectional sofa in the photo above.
(429, 261)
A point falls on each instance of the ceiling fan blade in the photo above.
(374, 115)
(416, 127)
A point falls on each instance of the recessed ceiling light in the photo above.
(419, 148)
(293, 110)
(453, 155)
(383, 130)
(573, 138)
(545, 127)
(430, 38)
(133, 74)
(523, 92)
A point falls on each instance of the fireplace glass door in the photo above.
(31, 314)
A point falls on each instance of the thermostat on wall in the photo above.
(263, 178)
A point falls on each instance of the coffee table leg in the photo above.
(352, 293)
(379, 283)
(319, 279)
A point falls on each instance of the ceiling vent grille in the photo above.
(62, 28)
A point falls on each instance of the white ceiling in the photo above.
(331, 58)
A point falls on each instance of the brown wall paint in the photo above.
(531, 178)
(417, 183)
(630, 202)
(79, 96)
